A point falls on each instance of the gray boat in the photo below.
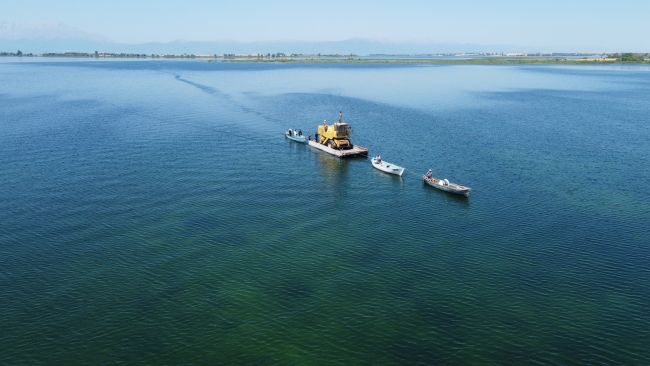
(295, 138)
(445, 185)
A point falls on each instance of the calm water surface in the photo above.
(152, 212)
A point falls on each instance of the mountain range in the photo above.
(58, 37)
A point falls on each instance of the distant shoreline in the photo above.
(480, 61)
(558, 59)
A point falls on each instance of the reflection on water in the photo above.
(296, 147)
(395, 179)
(331, 167)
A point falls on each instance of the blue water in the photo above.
(152, 212)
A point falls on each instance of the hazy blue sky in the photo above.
(595, 23)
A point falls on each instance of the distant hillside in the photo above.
(359, 47)
(45, 31)
(57, 37)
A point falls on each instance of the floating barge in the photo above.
(356, 150)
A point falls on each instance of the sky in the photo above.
(596, 24)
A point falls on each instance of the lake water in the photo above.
(152, 212)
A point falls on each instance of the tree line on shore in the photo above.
(629, 56)
(95, 54)
(624, 57)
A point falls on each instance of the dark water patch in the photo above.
(414, 352)
(437, 311)
(202, 224)
(296, 289)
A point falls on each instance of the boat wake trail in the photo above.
(205, 88)
(231, 101)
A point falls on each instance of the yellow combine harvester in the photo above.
(335, 136)
(335, 139)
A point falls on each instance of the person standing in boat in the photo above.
(290, 131)
(340, 116)
(378, 159)
(300, 132)
(429, 173)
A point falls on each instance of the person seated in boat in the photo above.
(309, 137)
(378, 159)
(445, 182)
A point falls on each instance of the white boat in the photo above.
(445, 185)
(387, 167)
(295, 138)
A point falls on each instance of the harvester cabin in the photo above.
(342, 129)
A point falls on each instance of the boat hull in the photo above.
(300, 139)
(387, 167)
(355, 151)
(451, 188)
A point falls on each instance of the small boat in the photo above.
(295, 138)
(387, 167)
(445, 185)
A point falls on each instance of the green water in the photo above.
(152, 212)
